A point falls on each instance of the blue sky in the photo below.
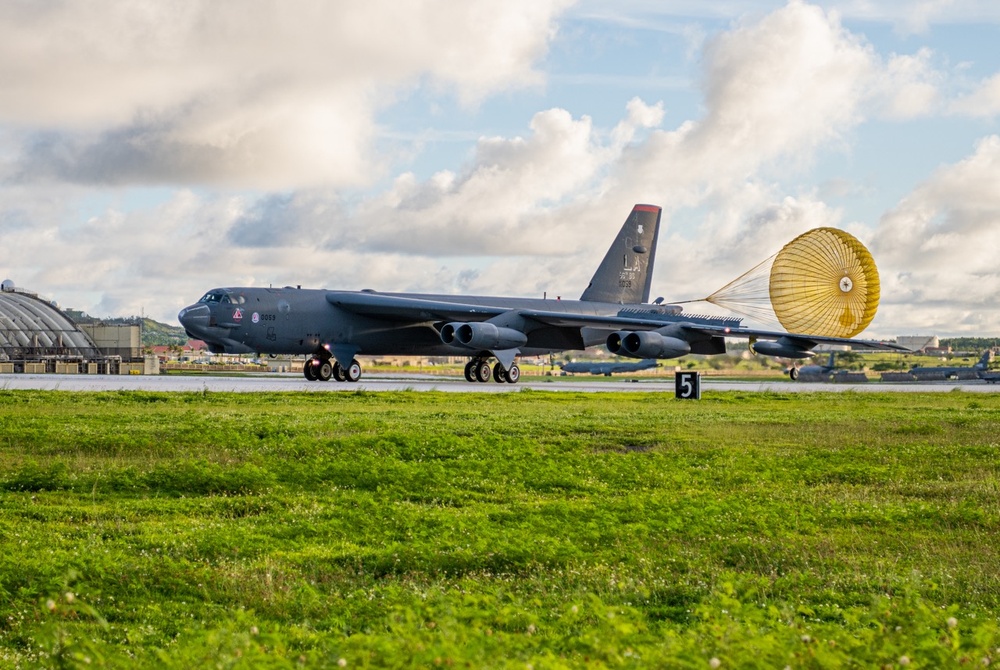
(150, 151)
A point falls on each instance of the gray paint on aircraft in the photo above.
(333, 327)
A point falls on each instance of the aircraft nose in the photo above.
(194, 318)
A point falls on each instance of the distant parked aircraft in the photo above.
(333, 327)
(989, 377)
(930, 373)
(608, 369)
(812, 371)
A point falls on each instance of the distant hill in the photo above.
(154, 333)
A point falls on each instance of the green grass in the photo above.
(529, 529)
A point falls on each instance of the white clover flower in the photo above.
(714, 662)
(904, 660)
(342, 662)
(952, 622)
(70, 597)
(50, 605)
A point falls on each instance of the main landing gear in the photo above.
(480, 370)
(319, 369)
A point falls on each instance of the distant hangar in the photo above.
(38, 337)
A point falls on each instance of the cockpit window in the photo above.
(215, 297)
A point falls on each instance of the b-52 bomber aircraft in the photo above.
(333, 327)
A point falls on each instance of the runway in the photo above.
(289, 382)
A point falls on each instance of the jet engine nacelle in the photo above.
(482, 335)
(782, 348)
(647, 344)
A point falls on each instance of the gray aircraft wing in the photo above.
(399, 308)
(793, 343)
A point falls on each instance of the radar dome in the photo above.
(7, 285)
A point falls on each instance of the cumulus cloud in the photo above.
(779, 89)
(256, 94)
(775, 91)
(937, 247)
(983, 101)
(909, 86)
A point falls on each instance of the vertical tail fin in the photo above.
(626, 272)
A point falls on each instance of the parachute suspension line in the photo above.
(748, 294)
(824, 282)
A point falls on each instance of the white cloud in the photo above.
(776, 90)
(526, 213)
(785, 83)
(907, 16)
(984, 101)
(937, 248)
(909, 86)
(254, 94)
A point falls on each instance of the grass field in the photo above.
(529, 529)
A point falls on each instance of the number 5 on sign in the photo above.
(687, 385)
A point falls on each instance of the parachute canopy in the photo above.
(824, 282)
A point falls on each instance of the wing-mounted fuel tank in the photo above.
(647, 344)
(784, 347)
(482, 335)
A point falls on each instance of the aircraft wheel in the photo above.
(470, 373)
(483, 371)
(324, 371)
(353, 371)
(513, 374)
(338, 372)
(499, 374)
(309, 370)
(793, 373)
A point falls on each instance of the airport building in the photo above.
(918, 342)
(37, 337)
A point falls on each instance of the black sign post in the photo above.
(687, 385)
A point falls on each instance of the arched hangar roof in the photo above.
(31, 327)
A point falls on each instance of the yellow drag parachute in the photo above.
(824, 282)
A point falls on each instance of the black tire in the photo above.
(324, 371)
(793, 374)
(514, 374)
(309, 370)
(499, 374)
(470, 374)
(353, 371)
(483, 372)
(338, 372)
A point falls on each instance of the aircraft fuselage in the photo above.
(300, 321)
